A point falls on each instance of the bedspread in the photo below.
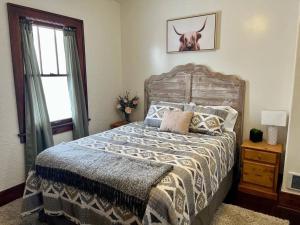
(200, 163)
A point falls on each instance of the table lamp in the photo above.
(273, 119)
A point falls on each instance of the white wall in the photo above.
(103, 61)
(292, 158)
(257, 42)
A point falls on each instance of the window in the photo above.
(49, 46)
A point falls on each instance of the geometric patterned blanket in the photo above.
(200, 162)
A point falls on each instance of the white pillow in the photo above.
(231, 117)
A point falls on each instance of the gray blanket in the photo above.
(120, 179)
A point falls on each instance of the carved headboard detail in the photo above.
(196, 83)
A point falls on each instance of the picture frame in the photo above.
(192, 33)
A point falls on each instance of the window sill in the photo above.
(61, 126)
(58, 127)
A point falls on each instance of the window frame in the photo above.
(39, 17)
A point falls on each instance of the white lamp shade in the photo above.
(274, 118)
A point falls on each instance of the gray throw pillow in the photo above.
(156, 112)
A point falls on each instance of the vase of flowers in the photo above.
(126, 105)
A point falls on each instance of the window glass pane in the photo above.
(48, 52)
(61, 51)
(36, 45)
(57, 97)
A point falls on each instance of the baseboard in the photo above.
(289, 201)
(11, 194)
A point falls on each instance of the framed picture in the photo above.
(193, 33)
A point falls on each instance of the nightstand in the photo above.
(260, 166)
(118, 124)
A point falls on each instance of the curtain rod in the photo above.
(46, 23)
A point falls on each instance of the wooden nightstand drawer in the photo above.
(267, 157)
(259, 174)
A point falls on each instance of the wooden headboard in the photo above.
(196, 83)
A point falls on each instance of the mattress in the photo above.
(200, 162)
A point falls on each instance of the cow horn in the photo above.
(176, 31)
(203, 26)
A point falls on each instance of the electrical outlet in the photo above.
(294, 181)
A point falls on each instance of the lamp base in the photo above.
(272, 135)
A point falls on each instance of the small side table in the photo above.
(260, 169)
(118, 124)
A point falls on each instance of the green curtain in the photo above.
(76, 91)
(38, 128)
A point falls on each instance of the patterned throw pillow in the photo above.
(208, 120)
(230, 120)
(157, 110)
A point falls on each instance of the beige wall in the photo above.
(257, 42)
(103, 60)
(292, 158)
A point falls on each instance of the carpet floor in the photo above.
(226, 215)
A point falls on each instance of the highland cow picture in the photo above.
(191, 33)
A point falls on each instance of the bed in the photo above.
(202, 165)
